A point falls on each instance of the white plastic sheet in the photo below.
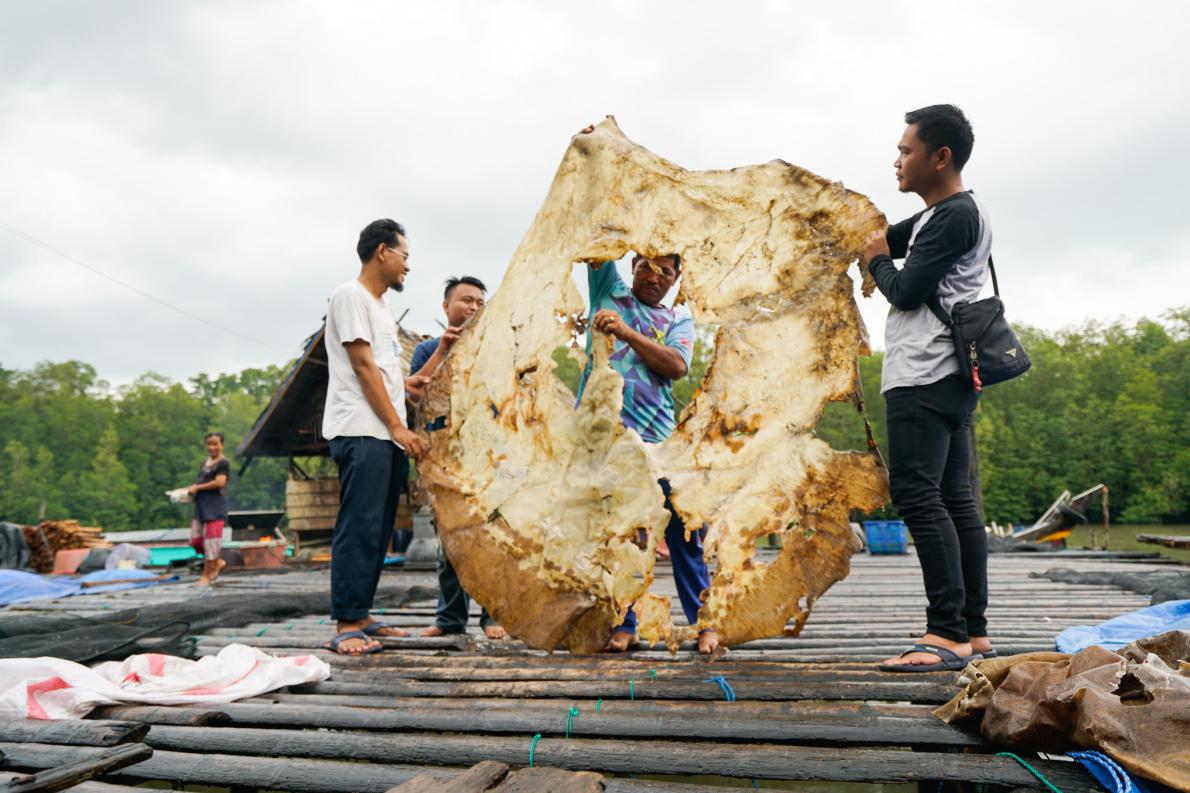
(52, 688)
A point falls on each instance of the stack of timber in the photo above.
(310, 509)
(311, 506)
(50, 536)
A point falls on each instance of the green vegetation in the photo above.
(73, 446)
(1104, 402)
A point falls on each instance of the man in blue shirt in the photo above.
(654, 346)
(464, 297)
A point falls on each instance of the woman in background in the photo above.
(210, 508)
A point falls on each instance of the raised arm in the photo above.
(660, 358)
(946, 237)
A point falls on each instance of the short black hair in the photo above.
(675, 256)
(210, 435)
(469, 280)
(378, 232)
(944, 125)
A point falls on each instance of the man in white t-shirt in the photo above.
(364, 420)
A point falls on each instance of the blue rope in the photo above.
(1031, 770)
(533, 746)
(570, 719)
(724, 686)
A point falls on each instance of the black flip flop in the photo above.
(951, 662)
(373, 629)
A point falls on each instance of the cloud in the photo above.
(224, 155)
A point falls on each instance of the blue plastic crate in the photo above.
(886, 536)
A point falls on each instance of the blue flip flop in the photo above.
(334, 643)
(374, 628)
(951, 662)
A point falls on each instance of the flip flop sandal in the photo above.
(374, 629)
(334, 643)
(951, 662)
(990, 653)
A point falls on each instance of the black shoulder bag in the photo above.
(989, 351)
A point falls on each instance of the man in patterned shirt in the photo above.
(654, 345)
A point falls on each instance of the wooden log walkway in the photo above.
(806, 708)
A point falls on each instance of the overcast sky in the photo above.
(223, 156)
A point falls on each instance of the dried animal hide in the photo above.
(539, 504)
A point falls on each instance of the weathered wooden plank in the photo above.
(1168, 540)
(677, 708)
(275, 773)
(160, 714)
(271, 773)
(90, 786)
(494, 777)
(72, 732)
(477, 779)
(68, 774)
(758, 761)
(719, 721)
(299, 643)
(896, 689)
(555, 780)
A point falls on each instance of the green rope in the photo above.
(290, 627)
(1031, 770)
(570, 719)
(653, 675)
(632, 690)
(533, 746)
(261, 631)
(598, 705)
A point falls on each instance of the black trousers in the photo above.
(372, 475)
(929, 460)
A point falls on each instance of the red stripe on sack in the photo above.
(33, 689)
(156, 664)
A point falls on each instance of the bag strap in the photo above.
(936, 306)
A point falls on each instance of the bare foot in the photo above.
(621, 641)
(980, 644)
(433, 630)
(388, 631)
(354, 645)
(708, 642)
(494, 632)
(210, 571)
(961, 649)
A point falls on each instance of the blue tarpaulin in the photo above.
(19, 587)
(1123, 630)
